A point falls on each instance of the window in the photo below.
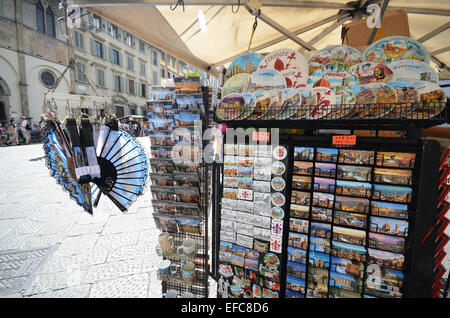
(143, 90)
(40, 20)
(100, 77)
(155, 78)
(132, 111)
(154, 58)
(81, 72)
(143, 68)
(131, 87)
(173, 62)
(142, 46)
(79, 39)
(115, 57)
(97, 21)
(118, 83)
(113, 31)
(163, 57)
(130, 63)
(50, 22)
(163, 73)
(98, 49)
(168, 75)
(48, 79)
(128, 39)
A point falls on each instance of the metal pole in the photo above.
(435, 32)
(440, 51)
(374, 32)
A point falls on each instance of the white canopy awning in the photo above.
(289, 24)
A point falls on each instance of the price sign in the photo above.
(195, 74)
(344, 140)
(261, 136)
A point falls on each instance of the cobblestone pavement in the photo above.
(109, 254)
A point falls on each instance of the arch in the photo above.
(40, 17)
(4, 88)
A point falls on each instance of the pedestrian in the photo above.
(13, 132)
(25, 127)
(3, 135)
(142, 129)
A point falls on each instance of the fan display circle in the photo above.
(365, 99)
(342, 56)
(325, 99)
(276, 104)
(322, 78)
(265, 79)
(278, 184)
(285, 59)
(345, 102)
(386, 100)
(369, 72)
(295, 78)
(278, 168)
(278, 199)
(309, 101)
(277, 213)
(279, 152)
(396, 48)
(262, 103)
(407, 99)
(271, 261)
(432, 99)
(292, 102)
(230, 107)
(413, 70)
(235, 84)
(245, 63)
(250, 103)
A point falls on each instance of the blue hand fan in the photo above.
(59, 160)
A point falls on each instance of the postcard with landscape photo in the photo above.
(296, 269)
(237, 260)
(301, 198)
(230, 182)
(324, 185)
(246, 150)
(346, 282)
(188, 85)
(230, 160)
(298, 240)
(230, 171)
(186, 118)
(396, 159)
(189, 225)
(251, 264)
(224, 257)
(231, 149)
(294, 294)
(303, 168)
(350, 219)
(319, 244)
(295, 284)
(359, 157)
(299, 211)
(347, 266)
(327, 154)
(389, 226)
(230, 193)
(386, 259)
(392, 193)
(393, 176)
(392, 210)
(384, 282)
(324, 200)
(246, 162)
(336, 292)
(319, 260)
(298, 225)
(353, 188)
(325, 169)
(245, 172)
(321, 229)
(350, 204)
(303, 153)
(387, 242)
(245, 183)
(350, 236)
(296, 255)
(350, 251)
(317, 282)
(301, 183)
(354, 173)
(321, 214)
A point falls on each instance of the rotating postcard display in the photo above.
(253, 209)
(178, 186)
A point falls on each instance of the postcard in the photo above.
(245, 183)
(262, 247)
(237, 260)
(304, 153)
(262, 162)
(396, 159)
(227, 225)
(293, 294)
(186, 118)
(261, 234)
(251, 264)
(324, 185)
(160, 152)
(392, 210)
(387, 242)
(263, 174)
(244, 217)
(161, 179)
(354, 173)
(187, 134)
(392, 193)
(393, 176)
(162, 93)
(188, 85)
(327, 154)
(166, 223)
(245, 172)
(319, 244)
(317, 282)
(187, 195)
(276, 242)
(277, 227)
(191, 101)
(228, 214)
(350, 236)
(347, 266)
(321, 214)
(346, 282)
(246, 150)
(245, 229)
(336, 292)
(353, 188)
(262, 150)
(230, 171)
(245, 162)
(388, 226)
(296, 285)
(226, 247)
(162, 193)
(386, 259)
(167, 207)
(298, 240)
(325, 169)
(350, 219)
(303, 168)
(230, 193)
(230, 160)
(161, 138)
(322, 199)
(261, 221)
(296, 269)
(301, 198)
(350, 251)
(301, 182)
(189, 225)
(162, 166)
(261, 186)
(224, 257)
(349, 204)
(228, 236)
(384, 282)
(187, 167)
(188, 209)
(298, 225)
(230, 182)
(244, 240)
(267, 293)
(299, 211)
(321, 229)
(161, 123)
(296, 255)
(262, 209)
(186, 179)
(359, 157)
(231, 149)
(265, 198)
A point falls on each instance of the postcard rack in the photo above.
(416, 277)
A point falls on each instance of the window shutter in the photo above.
(119, 33)
(136, 88)
(109, 28)
(91, 18)
(103, 26)
(92, 46)
(122, 88)
(120, 59)
(110, 52)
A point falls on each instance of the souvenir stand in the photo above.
(327, 193)
(179, 187)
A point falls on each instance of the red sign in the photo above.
(261, 136)
(344, 140)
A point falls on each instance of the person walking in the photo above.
(25, 127)
(13, 132)
(3, 135)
